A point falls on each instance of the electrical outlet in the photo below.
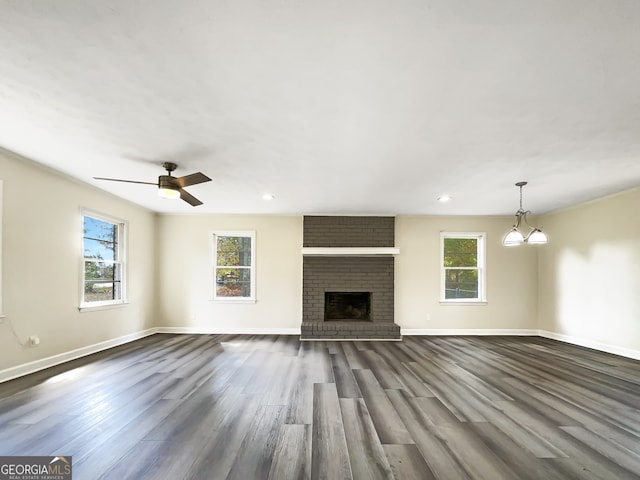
(34, 340)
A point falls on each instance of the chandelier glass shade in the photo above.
(515, 236)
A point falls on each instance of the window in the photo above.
(103, 271)
(462, 262)
(234, 266)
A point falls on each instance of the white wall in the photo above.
(511, 277)
(42, 251)
(185, 271)
(589, 273)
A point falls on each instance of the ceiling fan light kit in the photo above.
(169, 192)
(171, 187)
(515, 237)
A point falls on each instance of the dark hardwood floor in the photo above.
(272, 407)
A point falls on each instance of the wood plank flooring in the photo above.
(272, 407)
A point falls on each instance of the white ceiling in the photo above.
(347, 106)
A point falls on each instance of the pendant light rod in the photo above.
(521, 184)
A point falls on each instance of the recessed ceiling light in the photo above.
(268, 196)
(444, 198)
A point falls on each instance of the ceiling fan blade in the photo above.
(192, 179)
(190, 199)
(126, 181)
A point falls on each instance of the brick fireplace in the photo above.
(348, 278)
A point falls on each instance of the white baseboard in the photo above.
(236, 331)
(469, 332)
(37, 365)
(584, 342)
(581, 342)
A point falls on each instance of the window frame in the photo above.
(481, 267)
(121, 232)
(214, 265)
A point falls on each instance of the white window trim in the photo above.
(122, 245)
(482, 267)
(212, 275)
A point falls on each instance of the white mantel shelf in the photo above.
(349, 251)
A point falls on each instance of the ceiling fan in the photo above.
(170, 186)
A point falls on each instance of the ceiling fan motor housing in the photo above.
(168, 182)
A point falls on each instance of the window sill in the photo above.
(108, 306)
(458, 302)
(232, 300)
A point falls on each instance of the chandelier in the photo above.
(515, 236)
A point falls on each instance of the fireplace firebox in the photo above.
(347, 306)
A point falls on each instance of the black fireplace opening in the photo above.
(350, 306)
